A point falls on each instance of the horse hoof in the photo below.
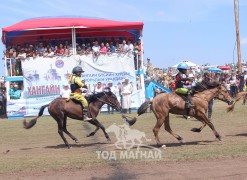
(181, 141)
(76, 141)
(219, 138)
(163, 146)
(69, 147)
(108, 140)
(196, 130)
(160, 145)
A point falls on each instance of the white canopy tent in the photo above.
(190, 64)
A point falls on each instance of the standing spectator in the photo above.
(233, 86)
(126, 92)
(114, 91)
(65, 92)
(15, 93)
(136, 54)
(98, 89)
(241, 81)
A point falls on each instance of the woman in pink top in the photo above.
(103, 49)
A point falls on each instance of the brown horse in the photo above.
(59, 109)
(166, 103)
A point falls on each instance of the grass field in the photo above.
(41, 148)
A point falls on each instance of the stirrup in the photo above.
(86, 118)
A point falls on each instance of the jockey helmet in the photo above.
(182, 66)
(77, 69)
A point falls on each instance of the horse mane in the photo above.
(95, 97)
(201, 86)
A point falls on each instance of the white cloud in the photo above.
(243, 41)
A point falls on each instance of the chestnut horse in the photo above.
(166, 103)
(60, 109)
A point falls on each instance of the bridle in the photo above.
(109, 102)
(217, 94)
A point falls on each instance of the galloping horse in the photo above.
(59, 109)
(166, 103)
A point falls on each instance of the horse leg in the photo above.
(156, 129)
(67, 132)
(60, 130)
(203, 118)
(97, 128)
(99, 125)
(168, 129)
(199, 129)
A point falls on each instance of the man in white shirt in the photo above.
(65, 92)
(130, 48)
(124, 47)
(126, 92)
(96, 49)
(114, 90)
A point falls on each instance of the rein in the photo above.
(105, 102)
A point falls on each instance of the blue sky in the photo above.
(202, 31)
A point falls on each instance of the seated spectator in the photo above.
(130, 48)
(118, 48)
(124, 47)
(45, 53)
(95, 49)
(88, 50)
(66, 51)
(41, 49)
(113, 48)
(50, 53)
(60, 50)
(108, 48)
(103, 49)
(79, 50)
(14, 92)
(22, 55)
(70, 49)
(98, 88)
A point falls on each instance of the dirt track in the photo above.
(232, 168)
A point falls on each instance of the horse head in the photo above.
(223, 95)
(111, 99)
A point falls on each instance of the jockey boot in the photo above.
(85, 116)
(188, 103)
(209, 115)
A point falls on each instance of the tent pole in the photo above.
(73, 41)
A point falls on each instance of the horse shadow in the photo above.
(242, 134)
(59, 146)
(202, 143)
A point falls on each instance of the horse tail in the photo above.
(141, 110)
(239, 96)
(28, 125)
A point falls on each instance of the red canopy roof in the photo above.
(35, 27)
(50, 23)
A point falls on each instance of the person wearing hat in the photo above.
(65, 92)
(15, 92)
(206, 80)
(181, 80)
(114, 91)
(75, 85)
(126, 92)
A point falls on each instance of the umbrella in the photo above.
(214, 69)
(189, 63)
